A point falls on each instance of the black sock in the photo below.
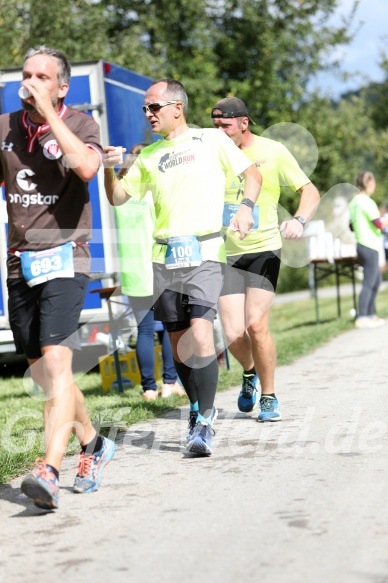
(93, 446)
(248, 373)
(187, 380)
(53, 470)
(269, 395)
(206, 379)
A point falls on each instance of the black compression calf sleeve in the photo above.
(205, 373)
(186, 376)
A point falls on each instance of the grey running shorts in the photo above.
(188, 292)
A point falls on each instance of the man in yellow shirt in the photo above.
(185, 172)
(253, 263)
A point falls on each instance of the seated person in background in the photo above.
(135, 222)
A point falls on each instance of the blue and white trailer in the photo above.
(113, 96)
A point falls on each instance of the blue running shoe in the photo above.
(42, 486)
(193, 420)
(200, 441)
(90, 467)
(247, 399)
(192, 423)
(270, 410)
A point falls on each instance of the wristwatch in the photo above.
(248, 202)
(302, 220)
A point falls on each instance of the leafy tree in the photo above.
(13, 33)
(77, 27)
(265, 51)
(269, 49)
(347, 141)
(376, 95)
(177, 41)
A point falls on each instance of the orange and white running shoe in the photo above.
(42, 486)
(90, 467)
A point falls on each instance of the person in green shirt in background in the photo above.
(367, 225)
(135, 222)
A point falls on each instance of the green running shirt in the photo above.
(186, 176)
(278, 168)
(135, 222)
(363, 210)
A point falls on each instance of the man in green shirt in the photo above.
(253, 263)
(185, 172)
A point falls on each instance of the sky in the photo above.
(361, 56)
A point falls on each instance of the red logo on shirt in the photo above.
(51, 150)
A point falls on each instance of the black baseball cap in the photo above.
(231, 107)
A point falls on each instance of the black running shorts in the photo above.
(254, 270)
(46, 314)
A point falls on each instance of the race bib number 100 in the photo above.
(41, 266)
(183, 252)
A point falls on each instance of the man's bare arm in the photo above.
(309, 201)
(114, 191)
(243, 219)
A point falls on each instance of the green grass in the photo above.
(293, 328)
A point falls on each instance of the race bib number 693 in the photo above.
(41, 266)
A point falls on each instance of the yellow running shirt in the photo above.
(186, 177)
(278, 168)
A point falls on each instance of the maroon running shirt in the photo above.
(47, 203)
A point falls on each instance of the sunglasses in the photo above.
(157, 106)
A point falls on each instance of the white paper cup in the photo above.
(119, 150)
(23, 92)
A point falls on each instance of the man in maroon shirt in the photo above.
(48, 155)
